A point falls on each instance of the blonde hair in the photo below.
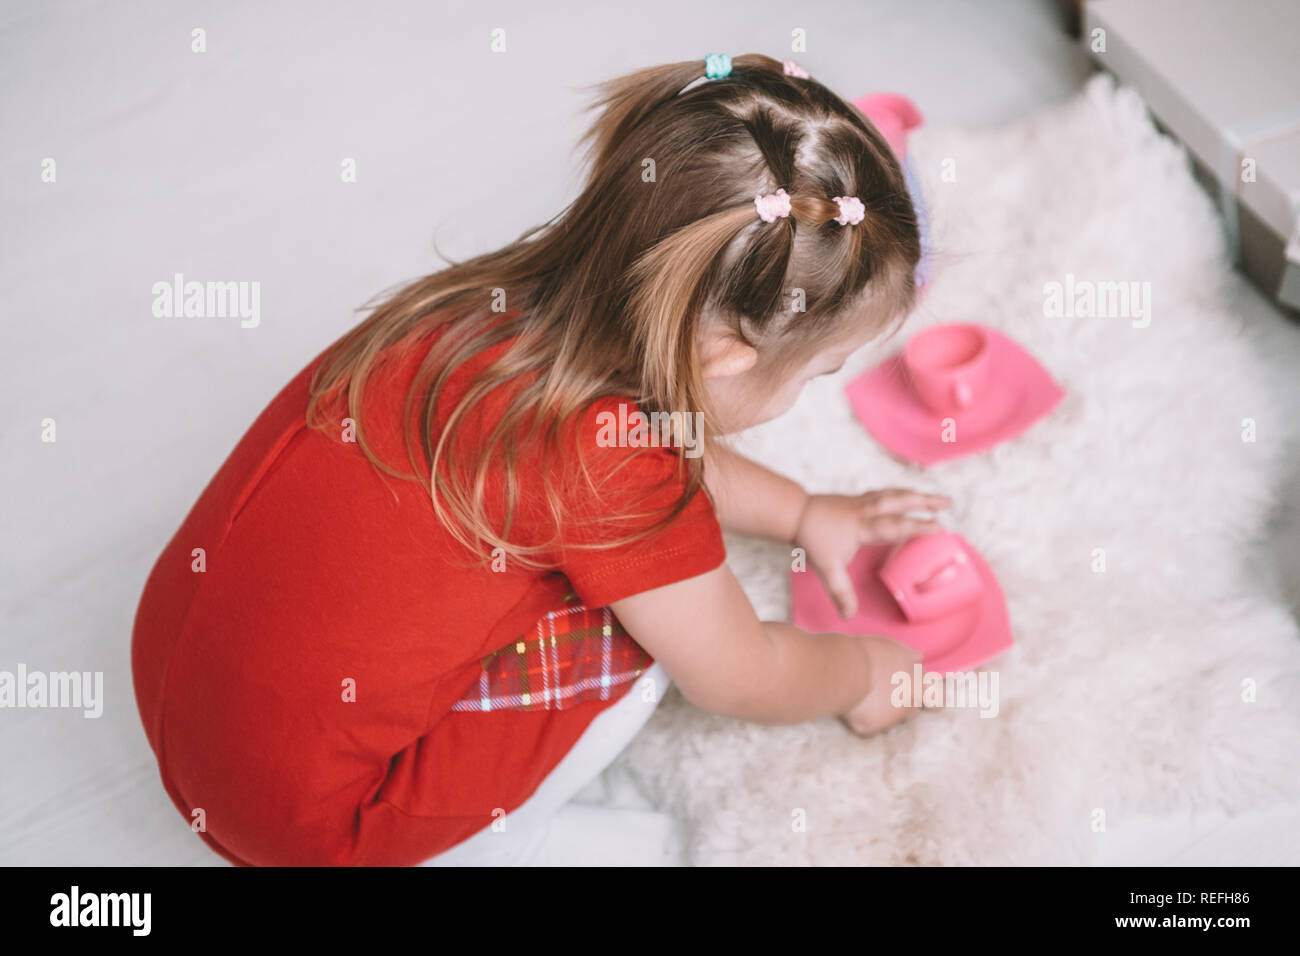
(607, 298)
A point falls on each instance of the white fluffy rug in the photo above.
(1124, 693)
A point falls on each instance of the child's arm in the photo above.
(723, 659)
(753, 500)
(706, 634)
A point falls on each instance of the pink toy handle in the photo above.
(942, 576)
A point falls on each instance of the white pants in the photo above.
(603, 740)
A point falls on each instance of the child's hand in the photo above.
(833, 527)
(876, 711)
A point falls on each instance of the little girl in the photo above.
(431, 576)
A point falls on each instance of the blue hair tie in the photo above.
(717, 65)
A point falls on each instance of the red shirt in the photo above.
(319, 570)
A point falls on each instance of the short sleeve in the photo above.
(628, 485)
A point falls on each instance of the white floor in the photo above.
(225, 165)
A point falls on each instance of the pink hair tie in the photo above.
(791, 68)
(773, 205)
(852, 211)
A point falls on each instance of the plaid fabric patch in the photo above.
(576, 654)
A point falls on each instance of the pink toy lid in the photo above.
(1020, 393)
(961, 641)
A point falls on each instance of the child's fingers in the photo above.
(898, 500)
(888, 528)
(840, 587)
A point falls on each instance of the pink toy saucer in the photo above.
(1020, 393)
(961, 641)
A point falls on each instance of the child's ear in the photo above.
(723, 353)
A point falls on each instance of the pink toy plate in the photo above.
(961, 641)
(1021, 392)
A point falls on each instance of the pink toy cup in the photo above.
(894, 115)
(948, 366)
(930, 576)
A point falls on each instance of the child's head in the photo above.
(664, 280)
(767, 301)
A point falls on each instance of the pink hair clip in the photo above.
(773, 205)
(852, 211)
(791, 68)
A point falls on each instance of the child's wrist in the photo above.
(800, 515)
